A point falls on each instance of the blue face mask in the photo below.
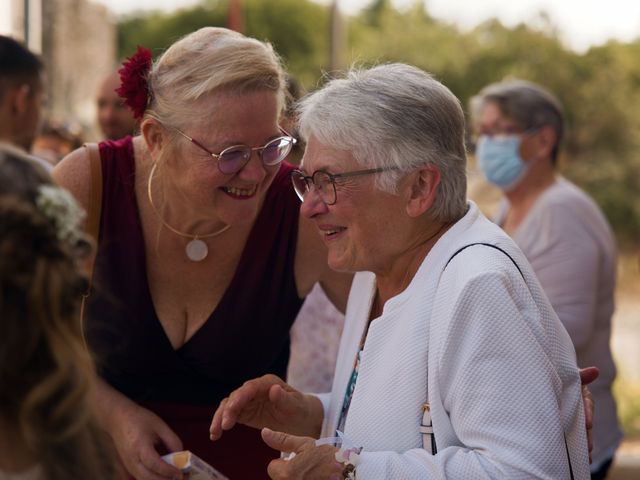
(500, 161)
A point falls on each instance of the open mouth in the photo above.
(240, 193)
(329, 234)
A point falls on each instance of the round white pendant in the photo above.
(197, 250)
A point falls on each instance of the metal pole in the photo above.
(336, 39)
(235, 17)
(26, 22)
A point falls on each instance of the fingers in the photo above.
(284, 400)
(589, 405)
(155, 467)
(215, 430)
(588, 375)
(237, 401)
(284, 442)
(170, 440)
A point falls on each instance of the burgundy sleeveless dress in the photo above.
(245, 337)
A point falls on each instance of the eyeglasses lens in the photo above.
(276, 150)
(321, 182)
(324, 185)
(299, 184)
(232, 160)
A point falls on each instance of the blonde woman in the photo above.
(203, 261)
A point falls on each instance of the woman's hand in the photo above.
(269, 402)
(588, 375)
(136, 434)
(309, 463)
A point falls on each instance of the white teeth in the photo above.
(331, 232)
(239, 192)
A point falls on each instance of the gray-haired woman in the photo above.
(452, 363)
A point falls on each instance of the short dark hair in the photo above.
(17, 64)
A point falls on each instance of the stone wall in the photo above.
(79, 49)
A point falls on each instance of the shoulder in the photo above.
(73, 173)
(566, 209)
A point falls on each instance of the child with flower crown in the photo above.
(47, 427)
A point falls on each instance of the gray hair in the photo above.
(399, 116)
(529, 104)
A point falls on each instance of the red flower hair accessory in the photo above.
(134, 85)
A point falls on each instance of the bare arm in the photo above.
(135, 431)
(74, 174)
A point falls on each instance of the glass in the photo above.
(325, 182)
(233, 159)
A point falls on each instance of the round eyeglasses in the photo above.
(233, 159)
(325, 182)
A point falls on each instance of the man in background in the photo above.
(21, 96)
(115, 119)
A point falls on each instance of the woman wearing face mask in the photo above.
(559, 228)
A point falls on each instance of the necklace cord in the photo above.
(164, 222)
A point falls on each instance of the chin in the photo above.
(340, 264)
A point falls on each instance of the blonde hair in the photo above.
(46, 374)
(207, 60)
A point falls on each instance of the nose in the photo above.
(313, 204)
(254, 169)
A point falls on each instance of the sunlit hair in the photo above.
(209, 60)
(399, 116)
(46, 374)
(529, 104)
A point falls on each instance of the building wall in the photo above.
(79, 49)
(77, 42)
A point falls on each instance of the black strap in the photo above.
(486, 245)
(433, 436)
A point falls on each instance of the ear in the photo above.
(423, 189)
(154, 135)
(546, 139)
(19, 99)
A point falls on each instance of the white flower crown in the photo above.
(64, 213)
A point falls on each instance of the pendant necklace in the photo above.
(196, 249)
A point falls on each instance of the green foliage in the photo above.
(600, 89)
(298, 29)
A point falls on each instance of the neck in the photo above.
(172, 208)
(406, 263)
(538, 179)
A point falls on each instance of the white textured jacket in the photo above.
(483, 343)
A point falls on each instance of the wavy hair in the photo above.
(46, 374)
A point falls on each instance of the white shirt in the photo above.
(501, 373)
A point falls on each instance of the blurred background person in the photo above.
(21, 95)
(115, 119)
(47, 428)
(56, 140)
(560, 229)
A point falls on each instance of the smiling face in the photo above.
(229, 119)
(362, 229)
